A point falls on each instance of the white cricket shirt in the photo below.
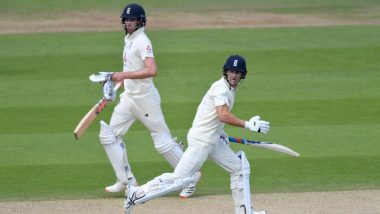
(136, 48)
(206, 125)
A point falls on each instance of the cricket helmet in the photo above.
(235, 63)
(134, 11)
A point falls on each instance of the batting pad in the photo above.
(115, 151)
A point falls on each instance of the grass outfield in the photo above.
(319, 88)
(20, 9)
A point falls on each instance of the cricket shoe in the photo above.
(132, 194)
(259, 212)
(190, 189)
(120, 186)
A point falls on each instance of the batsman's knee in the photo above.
(106, 135)
(169, 148)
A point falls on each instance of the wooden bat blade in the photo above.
(265, 145)
(277, 148)
(92, 114)
(86, 122)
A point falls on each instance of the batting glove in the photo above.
(102, 77)
(255, 124)
(108, 89)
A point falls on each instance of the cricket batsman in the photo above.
(207, 140)
(139, 101)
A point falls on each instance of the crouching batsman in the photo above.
(206, 139)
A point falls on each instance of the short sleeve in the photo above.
(146, 50)
(219, 95)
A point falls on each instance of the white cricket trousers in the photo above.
(198, 152)
(145, 108)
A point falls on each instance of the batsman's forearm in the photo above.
(141, 74)
(149, 70)
(225, 116)
(233, 121)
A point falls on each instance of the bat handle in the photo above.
(117, 86)
(101, 106)
(103, 102)
(236, 140)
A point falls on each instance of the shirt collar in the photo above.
(228, 84)
(136, 33)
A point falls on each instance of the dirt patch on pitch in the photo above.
(106, 21)
(347, 202)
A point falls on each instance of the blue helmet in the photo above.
(235, 63)
(134, 11)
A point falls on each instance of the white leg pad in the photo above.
(171, 151)
(115, 149)
(164, 184)
(240, 187)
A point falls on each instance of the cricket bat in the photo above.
(265, 145)
(86, 121)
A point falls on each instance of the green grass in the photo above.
(20, 9)
(319, 88)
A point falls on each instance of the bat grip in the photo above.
(101, 106)
(236, 140)
(117, 86)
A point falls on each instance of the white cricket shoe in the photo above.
(132, 193)
(189, 190)
(117, 187)
(259, 212)
(120, 186)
